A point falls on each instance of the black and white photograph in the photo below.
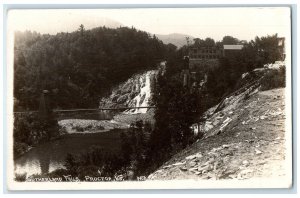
(149, 98)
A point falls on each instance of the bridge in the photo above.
(98, 109)
(105, 113)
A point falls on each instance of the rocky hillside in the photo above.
(244, 137)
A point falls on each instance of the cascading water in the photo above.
(145, 93)
(143, 98)
(135, 92)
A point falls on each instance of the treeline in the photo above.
(79, 68)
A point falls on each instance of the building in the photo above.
(204, 53)
(203, 58)
(229, 50)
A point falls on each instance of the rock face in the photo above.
(220, 116)
(243, 138)
(135, 92)
(248, 147)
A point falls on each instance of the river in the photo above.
(49, 156)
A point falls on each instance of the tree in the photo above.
(209, 42)
(81, 29)
(176, 110)
(126, 148)
(268, 48)
(229, 40)
(198, 42)
(71, 164)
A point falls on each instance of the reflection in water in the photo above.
(50, 156)
(44, 163)
(36, 162)
(41, 159)
(30, 167)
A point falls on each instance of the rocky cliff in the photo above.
(245, 139)
(137, 91)
(251, 144)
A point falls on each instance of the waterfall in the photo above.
(146, 93)
(135, 92)
(143, 98)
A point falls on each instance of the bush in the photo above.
(20, 177)
(20, 148)
(274, 79)
(58, 173)
(90, 127)
(79, 128)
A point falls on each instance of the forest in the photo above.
(80, 67)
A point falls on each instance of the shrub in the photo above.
(20, 148)
(58, 173)
(71, 164)
(90, 170)
(90, 127)
(100, 127)
(79, 128)
(20, 177)
(274, 78)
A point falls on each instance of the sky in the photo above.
(242, 23)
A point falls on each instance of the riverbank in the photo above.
(120, 121)
(71, 126)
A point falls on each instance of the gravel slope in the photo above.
(251, 146)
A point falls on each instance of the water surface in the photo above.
(49, 156)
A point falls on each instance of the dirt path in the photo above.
(251, 146)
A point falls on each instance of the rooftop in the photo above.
(233, 47)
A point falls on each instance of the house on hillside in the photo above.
(204, 58)
(229, 50)
(204, 53)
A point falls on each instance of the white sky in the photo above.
(242, 23)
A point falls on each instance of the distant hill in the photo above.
(176, 39)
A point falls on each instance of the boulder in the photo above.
(257, 152)
(192, 164)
